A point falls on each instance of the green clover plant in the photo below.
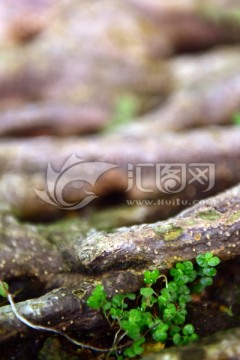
(157, 312)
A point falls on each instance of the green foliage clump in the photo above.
(158, 313)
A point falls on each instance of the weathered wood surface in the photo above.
(23, 165)
(197, 97)
(136, 36)
(193, 99)
(213, 144)
(71, 262)
(213, 226)
(56, 119)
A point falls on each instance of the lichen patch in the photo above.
(208, 214)
(169, 231)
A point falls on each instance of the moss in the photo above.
(189, 222)
(169, 231)
(208, 214)
(114, 217)
(38, 306)
(79, 293)
(234, 217)
(230, 14)
(64, 230)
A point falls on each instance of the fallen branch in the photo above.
(33, 326)
(29, 159)
(211, 226)
(117, 260)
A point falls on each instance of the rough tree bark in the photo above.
(77, 264)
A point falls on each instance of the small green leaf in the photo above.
(188, 329)
(209, 271)
(165, 293)
(177, 340)
(135, 349)
(159, 336)
(107, 306)
(171, 307)
(206, 281)
(176, 272)
(192, 274)
(98, 297)
(129, 352)
(183, 299)
(162, 327)
(3, 286)
(131, 296)
(175, 330)
(194, 337)
(117, 300)
(132, 329)
(138, 348)
(169, 313)
(116, 313)
(184, 290)
(135, 315)
(182, 280)
(180, 266)
(188, 265)
(214, 261)
(147, 292)
(208, 256)
(144, 305)
(172, 286)
(180, 317)
(185, 340)
(150, 277)
(146, 319)
(162, 301)
(201, 260)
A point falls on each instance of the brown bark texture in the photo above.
(73, 264)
